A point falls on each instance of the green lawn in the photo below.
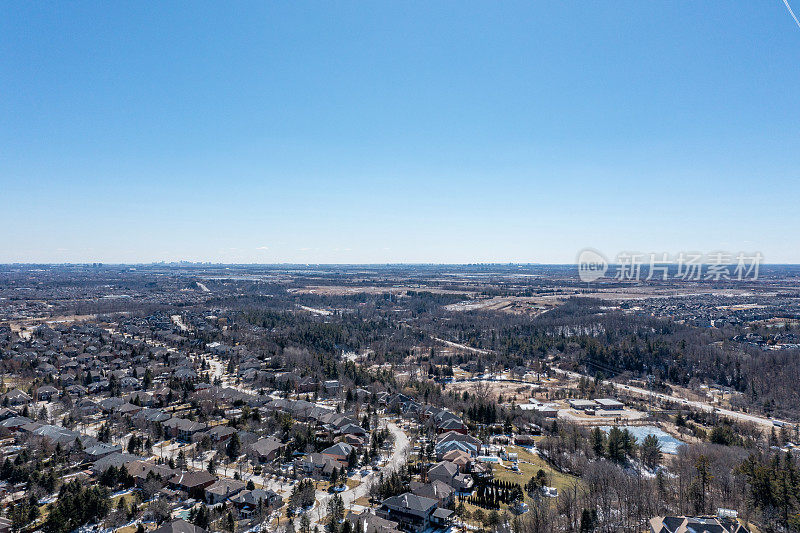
(529, 465)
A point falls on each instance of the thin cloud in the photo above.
(263, 248)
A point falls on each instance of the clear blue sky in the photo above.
(397, 131)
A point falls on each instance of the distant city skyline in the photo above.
(397, 133)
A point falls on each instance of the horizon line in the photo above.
(210, 263)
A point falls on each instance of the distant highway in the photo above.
(703, 406)
(203, 287)
(462, 346)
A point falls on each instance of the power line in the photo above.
(786, 2)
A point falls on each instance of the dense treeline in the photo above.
(491, 495)
(774, 490)
(596, 340)
(621, 482)
(76, 505)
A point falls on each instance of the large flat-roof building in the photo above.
(610, 404)
(582, 405)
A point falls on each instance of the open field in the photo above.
(508, 304)
(636, 292)
(510, 391)
(345, 290)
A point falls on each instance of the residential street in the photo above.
(349, 496)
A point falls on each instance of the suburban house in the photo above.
(141, 470)
(223, 489)
(267, 449)
(14, 423)
(15, 397)
(448, 473)
(193, 483)
(686, 524)
(414, 513)
(247, 501)
(352, 429)
(452, 424)
(46, 393)
(317, 465)
(116, 459)
(437, 490)
(151, 416)
(331, 387)
(219, 433)
(372, 523)
(453, 440)
(179, 526)
(100, 450)
(460, 458)
(127, 409)
(182, 429)
(140, 398)
(339, 451)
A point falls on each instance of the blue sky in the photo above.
(397, 131)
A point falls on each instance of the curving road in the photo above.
(349, 496)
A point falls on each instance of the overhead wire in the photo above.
(786, 2)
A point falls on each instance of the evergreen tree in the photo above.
(234, 446)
